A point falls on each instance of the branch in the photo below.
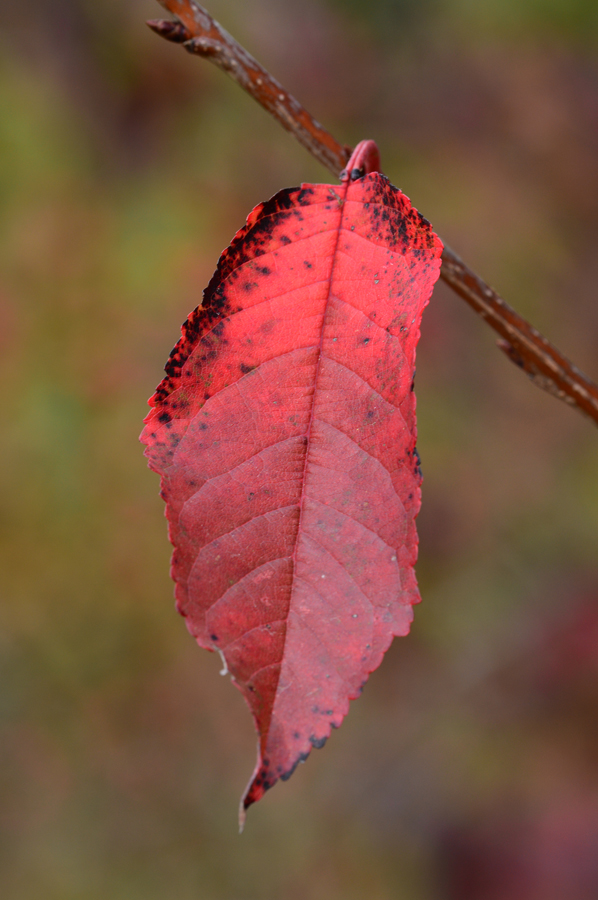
(523, 345)
(200, 34)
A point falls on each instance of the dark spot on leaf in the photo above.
(301, 758)
(214, 637)
(245, 369)
(318, 743)
(304, 194)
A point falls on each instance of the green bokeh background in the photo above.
(469, 768)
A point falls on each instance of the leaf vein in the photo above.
(353, 519)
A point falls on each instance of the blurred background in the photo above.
(469, 768)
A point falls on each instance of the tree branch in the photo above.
(523, 345)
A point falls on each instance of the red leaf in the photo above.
(284, 433)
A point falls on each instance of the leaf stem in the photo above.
(521, 342)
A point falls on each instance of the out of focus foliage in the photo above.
(469, 769)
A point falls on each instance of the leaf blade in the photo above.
(284, 433)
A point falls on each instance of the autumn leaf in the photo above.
(284, 432)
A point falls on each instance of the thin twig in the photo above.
(202, 35)
(523, 345)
